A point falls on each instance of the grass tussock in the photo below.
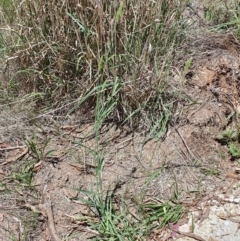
(80, 49)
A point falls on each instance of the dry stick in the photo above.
(52, 111)
(12, 159)
(230, 219)
(185, 144)
(202, 104)
(12, 148)
(190, 235)
(47, 209)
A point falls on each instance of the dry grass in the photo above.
(66, 49)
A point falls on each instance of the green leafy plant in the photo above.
(8, 8)
(234, 149)
(164, 213)
(111, 223)
(187, 65)
(210, 171)
(106, 102)
(224, 15)
(231, 138)
(38, 151)
(217, 14)
(228, 136)
(25, 174)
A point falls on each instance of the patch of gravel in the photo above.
(221, 223)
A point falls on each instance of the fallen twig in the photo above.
(47, 209)
(15, 158)
(190, 235)
(230, 219)
(185, 144)
(12, 148)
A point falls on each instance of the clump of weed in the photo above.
(73, 49)
(224, 15)
(24, 174)
(37, 150)
(110, 216)
(231, 138)
(7, 11)
(164, 213)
